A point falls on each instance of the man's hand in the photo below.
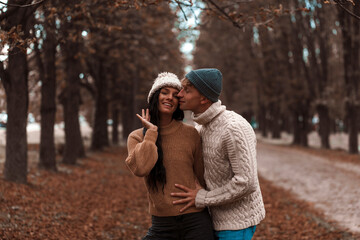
(188, 196)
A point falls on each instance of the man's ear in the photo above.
(204, 100)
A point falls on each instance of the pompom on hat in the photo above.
(208, 81)
(164, 79)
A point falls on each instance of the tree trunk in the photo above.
(115, 125)
(353, 125)
(324, 125)
(296, 129)
(350, 40)
(301, 127)
(353, 85)
(17, 107)
(129, 120)
(100, 137)
(304, 128)
(275, 121)
(48, 103)
(70, 99)
(16, 87)
(262, 121)
(286, 123)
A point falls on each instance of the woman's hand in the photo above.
(145, 119)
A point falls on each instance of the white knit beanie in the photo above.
(165, 79)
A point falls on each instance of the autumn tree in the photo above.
(350, 28)
(218, 46)
(46, 59)
(292, 46)
(14, 76)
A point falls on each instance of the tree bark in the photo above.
(262, 121)
(15, 80)
(115, 125)
(324, 126)
(301, 126)
(100, 136)
(353, 124)
(296, 129)
(48, 103)
(351, 47)
(129, 120)
(70, 99)
(17, 107)
(275, 121)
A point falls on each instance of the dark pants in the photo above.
(191, 226)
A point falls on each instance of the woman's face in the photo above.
(168, 100)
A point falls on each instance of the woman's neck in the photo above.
(165, 120)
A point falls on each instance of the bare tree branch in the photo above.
(23, 6)
(224, 13)
(14, 8)
(182, 10)
(341, 4)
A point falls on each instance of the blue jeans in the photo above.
(243, 234)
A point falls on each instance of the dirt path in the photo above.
(333, 187)
(99, 199)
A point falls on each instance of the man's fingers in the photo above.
(180, 201)
(182, 187)
(179, 194)
(186, 207)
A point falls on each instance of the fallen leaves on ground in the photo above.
(99, 199)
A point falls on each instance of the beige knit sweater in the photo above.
(183, 162)
(229, 149)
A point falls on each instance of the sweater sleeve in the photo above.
(239, 147)
(142, 153)
(198, 162)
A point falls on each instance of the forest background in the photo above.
(288, 66)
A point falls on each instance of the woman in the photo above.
(164, 152)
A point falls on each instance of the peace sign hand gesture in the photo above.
(145, 119)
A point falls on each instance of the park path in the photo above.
(332, 187)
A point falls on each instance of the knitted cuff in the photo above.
(151, 135)
(200, 198)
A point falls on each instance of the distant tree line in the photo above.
(98, 58)
(293, 61)
(100, 54)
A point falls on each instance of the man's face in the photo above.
(189, 97)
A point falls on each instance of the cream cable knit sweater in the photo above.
(229, 149)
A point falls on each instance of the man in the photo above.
(229, 149)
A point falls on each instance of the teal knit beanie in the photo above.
(208, 81)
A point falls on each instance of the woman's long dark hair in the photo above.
(158, 173)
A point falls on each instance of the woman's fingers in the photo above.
(141, 118)
(145, 119)
(147, 115)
